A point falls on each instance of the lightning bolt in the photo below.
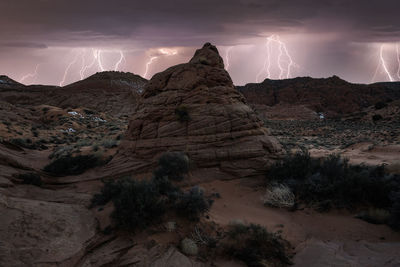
(68, 68)
(122, 57)
(96, 54)
(227, 57)
(85, 67)
(398, 61)
(267, 63)
(98, 57)
(148, 63)
(161, 52)
(290, 61)
(30, 75)
(383, 63)
(283, 53)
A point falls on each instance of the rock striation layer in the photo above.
(195, 108)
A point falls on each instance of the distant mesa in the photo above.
(333, 96)
(111, 91)
(195, 108)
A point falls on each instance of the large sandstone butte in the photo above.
(218, 131)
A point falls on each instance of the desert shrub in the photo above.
(375, 216)
(109, 191)
(31, 178)
(88, 111)
(192, 204)
(254, 245)
(279, 196)
(172, 165)
(73, 165)
(182, 113)
(377, 117)
(166, 188)
(334, 179)
(380, 105)
(394, 219)
(294, 167)
(189, 247)
(394, 167)
(24, 142)
(60, 151)
(137, 204)
(110, 143)
(333, 182)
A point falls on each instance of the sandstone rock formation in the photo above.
(195, 108)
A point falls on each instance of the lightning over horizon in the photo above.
(30, 75)
(85, 67)
(160, 52)
(398, 61)
(384, 65)
(67, 69)
(282, 52)
(277, 62)
(227, 57)
(383, 62)
(122, 57)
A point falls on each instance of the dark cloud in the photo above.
(57, 20)
(22, 45)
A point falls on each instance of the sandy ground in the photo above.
(319, 239)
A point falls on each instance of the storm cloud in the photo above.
(40, 24)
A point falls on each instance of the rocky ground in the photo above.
(333, 134)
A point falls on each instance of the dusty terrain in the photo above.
(52, 224)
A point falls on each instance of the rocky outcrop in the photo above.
(195, 108)
(42, 233)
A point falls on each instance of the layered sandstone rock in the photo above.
(195, 108)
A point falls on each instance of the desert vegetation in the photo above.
(73, 165)
(142, 203)
(332, 182)
(255, 246)
(30, 178)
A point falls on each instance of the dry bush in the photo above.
(394, 167)
(279, 196)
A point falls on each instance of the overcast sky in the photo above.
(60, 41)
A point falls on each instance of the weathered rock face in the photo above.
(195, 108)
